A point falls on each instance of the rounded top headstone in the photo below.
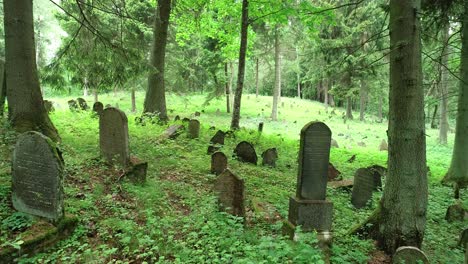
(409, 255)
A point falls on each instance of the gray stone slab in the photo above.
(269, 157)
(194, 128)
(218, 163)
(113, 136)
(311, 214)
(245, 152)
(362, 188)
(409, 255)
(230, 189)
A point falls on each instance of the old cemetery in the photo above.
(123, 189)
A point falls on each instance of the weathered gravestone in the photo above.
(82, 104)
(49, 106)
(172, 132)
(113, 136)
(245, 152)
(363, 187)
(378, 172)
(455, 212)
(216, 141)
(177, 118)
(98, 107)
(333, 173)
(230, 189)
(260, 127)
(383, 145)
(72, 105)
(334, 143)
(194, 128)
(269, 157)
(308, 207)
(185, 120)
(37, 177)
(218, 163)
(409, 255)
(196, 113)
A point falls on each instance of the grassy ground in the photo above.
(174, 217)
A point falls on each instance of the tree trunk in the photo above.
(95, 94)
(256, 78)
(155, 100)
(404, 200)
(349, 108)
(25, 104)
(458, 171)
(434, 117)
(444, 125)
(227, 90)
(277, 88)
(298, 73)
(133, 100)
(380, 113)
(362, 100)
(325, 93)
(2, 87)
(231, 81)
(241, 71)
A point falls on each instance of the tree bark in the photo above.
(458, 171)
(277, 88)
(2, 87)
(227, 90)
(240, 75)
(444, 125)
(155, 100)
(434, 117)
(256, 77)
(325, 93)
(380, 110)
(25, 104)
(298, 73)
(133, 100)
(95, 94)
(404, 200)
(349, 108)
(362, 100)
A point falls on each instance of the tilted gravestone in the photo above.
(230, 189)
(82, 104)
(218, 163)
(363, 187)
(37, 176)
(409, 255)
(72, 105)
(98, 107)
(269, 157)
(333, 173)
(334, 143)
(216, 141)
(308, 207)
(245, 152)
(194, 128)
(113, 136)
(383, 145)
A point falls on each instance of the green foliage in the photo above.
(17, 222)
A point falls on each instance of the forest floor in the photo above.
(174, 217)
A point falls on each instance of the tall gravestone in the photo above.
(364, 185)
(113, 136)
(309, 208)
(230, 189)
(194, 128)
(245, 152)
(37, 176)
(218, 163)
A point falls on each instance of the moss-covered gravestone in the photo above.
(364, 185)
(218, 163)
(216, 141)
(113, 136)
(309, 208)
(409, 255)
(37, 177)
(245, 152)
(230, 189)
(98, 107)
(72, 105)
(82, 104)
(194, 128)
(269, 157)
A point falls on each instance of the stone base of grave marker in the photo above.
(310, 214)
(136, 171)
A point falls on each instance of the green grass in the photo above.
(174, 216)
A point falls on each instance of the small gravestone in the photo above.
(108, 105)
(269, 157)
(72, 105)
(82, 104)
(37, 177)
(218, 112)
(409, 255)
(49, 106)
(333, 173)
(362, 188)
(176, 118)
(185, 120)
(230, 189)
(383, 145)
(260, 127)
(361, 144)
(463, 241)
(197, 113)
(113, 136)
(245, 152)
(378, 172)
(172, 132)
(218, 163)
(455, 213)
(98, 107)
(194, 128)
(334, 143)
(216, 141)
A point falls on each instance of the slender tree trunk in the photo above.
(241, 71)
(404, 201)
(2, 87)
(349, 108)
(434, 117)
(231, 81)
(133, 100)
(444, 125)
(25, 104)
(227, 90)
(155, 100)
(362, 100)
(298, 73)
(277, 88)
(95, 94)
(256, 78)
(458, 171)
(380, 111)
(325, 93)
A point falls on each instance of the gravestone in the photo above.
(172, 132)
(218, 163)
(230, 189)
(49, 106)
(361, 144)
(176, 118)
(72, 105)
(383, 145)
(216, 141)
(260, 127)
(455, 213)
(82, 104)
(98, 107)
(333, 173)
(334, 143)
(185, 120)
(37, 177)
(409, 255)
(245, 152)
(362, 188)
(113, 136)
(378, 172)
(197, 113)
(218, 112)
(308, 207)
(269, 157)
(194, 128)
(108, 105)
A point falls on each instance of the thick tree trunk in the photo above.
(444, 125)
(133, 100)
(256, 77)
(404, 201)
(362, 100)
(241, 71)
(25, 104)
(155, 100)
(227, 90)
(277, 88)
(458, 171)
